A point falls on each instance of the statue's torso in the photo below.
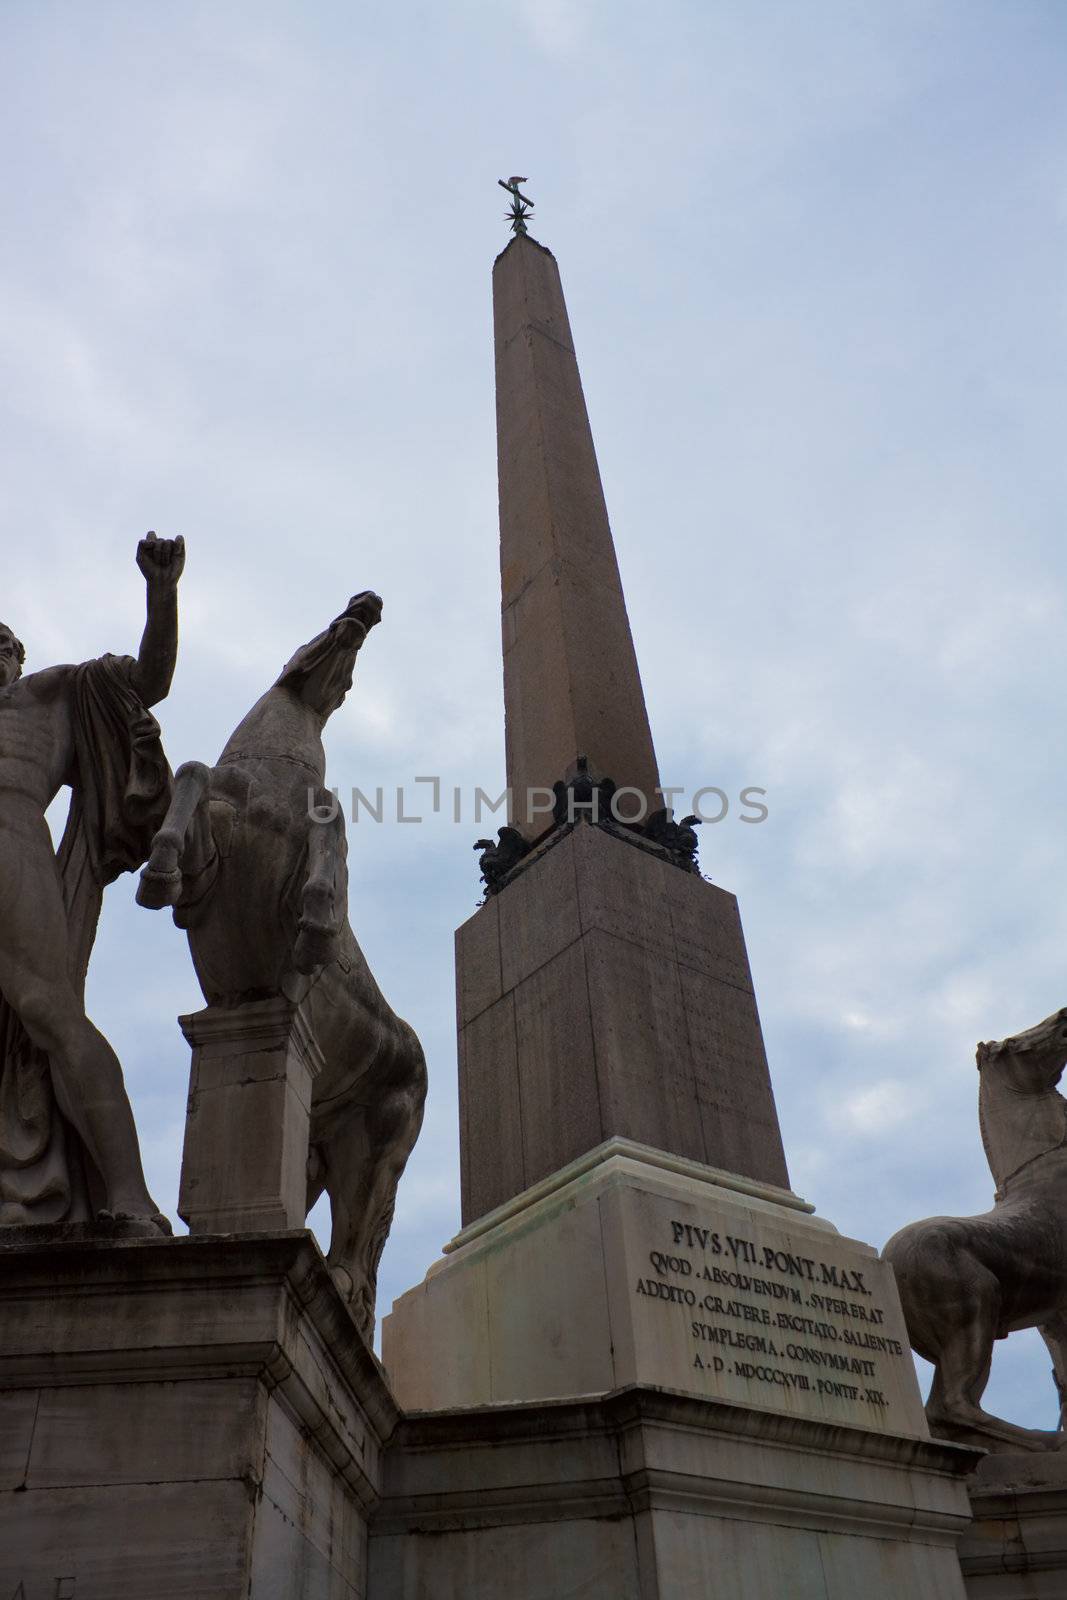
(36, 737)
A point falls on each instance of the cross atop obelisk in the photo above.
(521, 204)
(571, 684)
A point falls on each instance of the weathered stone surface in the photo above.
(307, 1522)
(632, 1015)
(479, 982)
(1016, 1548)
(558, 1071)
(458, 1360)
(642, 1046)
(181, 1541)
(18, 1412)
(967, 1281)
(252, 856)
(146, 1432)
(542, 918)
(571, 684)
(244, 1162)
(531, 1324)
(88, 726)
(490, 1105)
(636, 1268)
(188, 1418)
(644, 1495)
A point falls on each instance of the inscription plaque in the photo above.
(661, 1272)
(743, 1303)
(772, 1316)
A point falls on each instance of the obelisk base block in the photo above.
(648, 1495)
(244, 1163)
(633, 1266)
(692, 1385)
(183, 1419)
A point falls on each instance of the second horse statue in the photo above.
(260, 884)
(966, 1282)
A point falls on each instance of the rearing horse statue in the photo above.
(968, 1281)
(252, 857)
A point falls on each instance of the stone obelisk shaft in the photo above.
(604, 991)
(571, 684)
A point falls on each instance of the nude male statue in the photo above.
(68, 1146)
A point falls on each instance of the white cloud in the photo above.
(557, 27)
(878, 1109)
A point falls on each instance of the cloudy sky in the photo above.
(814, 259)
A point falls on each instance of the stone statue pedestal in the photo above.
(1016, 1548)
(603, 992)
(244, 1163)
(183, 1419)
(708, 1385)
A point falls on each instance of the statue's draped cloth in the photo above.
(120, 793)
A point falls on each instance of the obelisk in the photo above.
(571, 684)
(634, 1273)
(604, 988)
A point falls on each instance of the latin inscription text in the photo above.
(771, 1316)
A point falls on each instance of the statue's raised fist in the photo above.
(161, 560)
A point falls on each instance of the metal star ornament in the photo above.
(521, 206)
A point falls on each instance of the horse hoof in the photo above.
(158, 889)
(359, 1304)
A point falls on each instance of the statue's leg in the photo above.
(85, 1071)
(952, 1305)
(363, 1159)
(1054, 1333)
(324, 898)
(161, 878)
(964, 1357)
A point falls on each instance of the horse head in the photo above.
(1022, 1117)
(320, 673)
(1032, 1061)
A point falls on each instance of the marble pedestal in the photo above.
(605, 993)
(183, 1419)
(740, 1413)
(245, 1158)
(1016, 1548)
(648, 1495)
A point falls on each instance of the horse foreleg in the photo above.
(952, 1306)
(964, 1357)
(1054, 1333)
(363, 1161)
(161, 878)
(324, 898)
